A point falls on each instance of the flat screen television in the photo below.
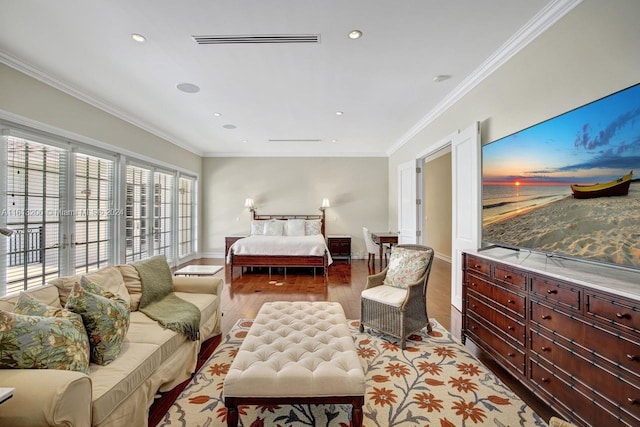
(563, 186)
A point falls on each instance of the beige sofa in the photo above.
(152, 359)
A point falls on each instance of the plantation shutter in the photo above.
(163, 184)
(136, 212)
(186, 216)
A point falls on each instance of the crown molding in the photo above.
(101, 104)
(541, 22)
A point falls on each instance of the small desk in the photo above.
(198, 270)
(382, 238)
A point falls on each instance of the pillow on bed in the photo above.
(257, 227)
(295, 227)
(274, 228)
(312, 227)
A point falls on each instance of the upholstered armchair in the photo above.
(394, 301)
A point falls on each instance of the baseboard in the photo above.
(218, 255)
(443, 257)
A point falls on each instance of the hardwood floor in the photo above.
(242, 299)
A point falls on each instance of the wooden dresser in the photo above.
(573, 343)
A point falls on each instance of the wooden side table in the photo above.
(340, 247)
(230, 240)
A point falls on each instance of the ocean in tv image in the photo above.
(569, 185)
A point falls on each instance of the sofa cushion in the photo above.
(28, 305)
(144, 330)
(47, 294)
(206, 303)
(133, 283)
(114, 383)
(37, 342)
(108, 278)
(406, 266)
(106, 321)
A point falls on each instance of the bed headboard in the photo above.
(285, 217)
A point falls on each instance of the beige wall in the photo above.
(27, 97)
(437, 205)
(591, 52)
(356, 187)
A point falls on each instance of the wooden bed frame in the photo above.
(285, 261)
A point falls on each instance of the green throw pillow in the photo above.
(106, 321)
(406, 266)
(36, 342)
(28, 305)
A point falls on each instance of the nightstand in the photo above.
(230, 240)
(340, 247)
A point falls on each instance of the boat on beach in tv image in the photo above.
(566, 186)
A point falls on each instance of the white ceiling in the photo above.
(383, 82)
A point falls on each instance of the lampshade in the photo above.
(248, 203)
(325, 203)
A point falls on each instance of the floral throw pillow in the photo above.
(38, 342)
(106, 321)
(406, 266)
(28, 305)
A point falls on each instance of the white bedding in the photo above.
(281, 245)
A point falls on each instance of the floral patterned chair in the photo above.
(394, 301)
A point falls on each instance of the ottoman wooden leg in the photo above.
(232, 411)
(356, 412)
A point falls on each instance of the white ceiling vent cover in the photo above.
(258, 39)
(295, 140)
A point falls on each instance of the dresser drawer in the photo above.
(511, 301)
(497, 345)
(557, 292)
(510, 277)
(586, 409)
(594, 342)
(502, 322)
(617, 312)
(478, 265)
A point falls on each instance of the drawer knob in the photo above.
(546, 317)
(511, 328)
(632, 357)
(544, 379)
(473, 284)
(510, 301)
(632, 400)
(543, 348)
(622, 316)
(477, 266)
(552, 291)
(511, 354)
(473, 306)
(506, 276)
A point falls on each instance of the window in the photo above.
(94, 212)
(162, 214)
(136, 212)
(73, 208)
(32, 209)
(186, 216)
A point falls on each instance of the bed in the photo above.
(282, 241)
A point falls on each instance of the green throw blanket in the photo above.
(160, 303)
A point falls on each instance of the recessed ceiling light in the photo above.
(138, 37)
(188, 87)
(244, 141)
(355, 34)
(217, 114)
(339, 113)
(229, 126)
(441, 77)
(334, 140)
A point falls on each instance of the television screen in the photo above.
(569, 185)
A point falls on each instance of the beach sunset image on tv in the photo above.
(569, 185)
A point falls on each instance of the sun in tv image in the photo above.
(569, 185)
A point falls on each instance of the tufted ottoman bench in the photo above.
(296, 353)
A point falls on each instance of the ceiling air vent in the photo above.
(295, 140)
(258, 39)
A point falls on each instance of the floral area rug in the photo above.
(434, 382)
